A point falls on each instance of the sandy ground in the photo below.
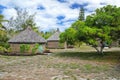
(48, 67)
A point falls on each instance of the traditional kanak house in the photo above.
(53, 41)
(28, 36)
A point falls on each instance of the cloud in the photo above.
(9, 12)
(53, 14)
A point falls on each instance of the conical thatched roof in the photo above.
(54, 37)
(27, 36)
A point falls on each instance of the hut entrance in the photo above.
(40, 49)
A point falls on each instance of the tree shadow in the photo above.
(107, 56)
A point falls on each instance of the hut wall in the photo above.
(16, 48)
(53, 44)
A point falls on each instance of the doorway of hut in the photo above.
(40, 48)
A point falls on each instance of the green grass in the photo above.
(108, 56)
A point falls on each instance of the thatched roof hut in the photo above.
(54, 37)
(53, 41)
(29, 37)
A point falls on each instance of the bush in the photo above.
(24, 48)
(2, 49)
(34, 49)
(61, 45)
(5, 45)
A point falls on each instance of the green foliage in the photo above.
(61, 45)
(68, 36)
(3, 39)
(3, 36)
(34, 49)
(47, 34)
(2, 20)
(99, 29)
(2, 49)
(106, 18)
(24, 48)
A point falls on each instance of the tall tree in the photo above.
(102, 27)
(23, 20)
(106, 16)
(93, 36)
(81, 14)
(98, 30)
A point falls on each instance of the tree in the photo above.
(47, 34)
(92, 36)
(3, 34)
(68, 36)
(1, 21)
(101, 28)
(22, 21)
(106, 16)
(81, 14)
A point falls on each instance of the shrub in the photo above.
(61, 45)
(2, 49)
(24, 48)
(34, 49)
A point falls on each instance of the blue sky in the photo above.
(53, 14)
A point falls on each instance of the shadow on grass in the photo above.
(108, 56)
(21, 54)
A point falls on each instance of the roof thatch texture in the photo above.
(27, 36)
(54, 37)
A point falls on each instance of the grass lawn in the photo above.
(92, 56)
(62, 65)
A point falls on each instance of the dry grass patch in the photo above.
(65, 66)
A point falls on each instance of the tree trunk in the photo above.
(99, 51)
(65, 45)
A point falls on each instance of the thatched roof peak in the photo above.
(29, 28)
(27, 36)
(55, 36)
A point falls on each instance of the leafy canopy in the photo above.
(99, 29)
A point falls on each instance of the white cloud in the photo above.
(46, 19)
(10, 12)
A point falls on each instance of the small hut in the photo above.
(26, 37)
(53, 41)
